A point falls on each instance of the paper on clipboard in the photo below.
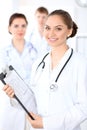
(21, 89)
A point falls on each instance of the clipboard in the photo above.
(23, 93)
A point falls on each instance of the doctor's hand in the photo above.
(8, 90)
(37, 122)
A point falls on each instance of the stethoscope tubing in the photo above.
(64, 65)
(54, 85)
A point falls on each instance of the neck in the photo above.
(18, 45)
(60, 50)
(57, 54)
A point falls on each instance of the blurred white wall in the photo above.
(5, 11)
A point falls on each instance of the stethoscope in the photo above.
(54, 85)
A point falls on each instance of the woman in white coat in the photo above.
(59, 80)
(20, 54)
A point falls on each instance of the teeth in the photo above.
(52, 39)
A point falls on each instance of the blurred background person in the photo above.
(20, 54)
(36, 34)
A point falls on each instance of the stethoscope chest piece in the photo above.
(53, 87)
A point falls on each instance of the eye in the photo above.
(24, 26)
(47, 28)
(16, 26)
(44, 17)
(58, 29)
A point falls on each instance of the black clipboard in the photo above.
(3, 77)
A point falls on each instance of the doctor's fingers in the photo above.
(35, 116)
(37, 123)
(8, 90)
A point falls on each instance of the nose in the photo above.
(20, 28)
(52, 32)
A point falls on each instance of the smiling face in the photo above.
(56, 31)
(18, 28)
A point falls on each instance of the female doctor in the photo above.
(59, 80)
(20, 54)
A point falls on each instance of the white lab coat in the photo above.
(66, 107)
(12, 118)
(38, 42)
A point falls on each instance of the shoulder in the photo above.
(6, 48)
(30, 46)
(36, 63)
(40, 61)
(79, 59)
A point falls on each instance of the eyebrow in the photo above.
(55, 26)
(59, 26)
(18, 24)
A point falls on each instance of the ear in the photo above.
(9, 30)
(70, 32)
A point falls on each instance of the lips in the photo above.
(52, 39)
(20, 34)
